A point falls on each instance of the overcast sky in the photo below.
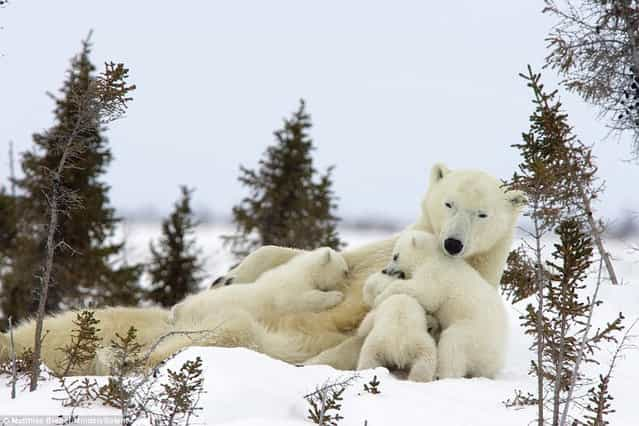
(392, 87)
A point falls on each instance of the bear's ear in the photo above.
(517, 198)
(438, 172)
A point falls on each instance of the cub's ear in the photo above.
(438, 172)
(517, 198)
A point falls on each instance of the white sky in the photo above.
(392, 88)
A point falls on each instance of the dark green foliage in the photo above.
(8, 234)
(85, 268)
(180, 396)
(564, 311)
(8, 220)
(84, 343)
(547, 172)
(372, 387)
(558, 174)
(23, 364)
(78, 392)
(518, 280)
(520, 400)
(175, 267)
(134, 390)
(128, 353)
(325, 409)
(127, 361)
(599, 403)
(325, 401)
(290, 204)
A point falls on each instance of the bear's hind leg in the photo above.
(425, 364)
(341, 357)
(5, 348)
(371, 355)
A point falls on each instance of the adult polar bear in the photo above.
(470, 213)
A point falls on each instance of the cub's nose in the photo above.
(453, 246)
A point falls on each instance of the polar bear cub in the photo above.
(470, 311)
(310, 282)
(396, 334)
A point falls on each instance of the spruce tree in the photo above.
(290, 204)
(84, 269)
(7, 224)
(558, 174)
(176, 266)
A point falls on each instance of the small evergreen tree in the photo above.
(7, 224)
(175, 266)
(558, 175)
(290, 204)
(84, 269)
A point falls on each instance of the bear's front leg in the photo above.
(374, 285)
(414, 288)
(319, 301)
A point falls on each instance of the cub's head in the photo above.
(411, 250)
(469, 211)
(327, 266)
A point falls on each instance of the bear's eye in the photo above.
(449, 205)
(396, 257)
(483, 215)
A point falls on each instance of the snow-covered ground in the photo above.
(244, 388)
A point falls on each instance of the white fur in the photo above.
(470, 311)
(487, 242)
(329, 336)
(396, 336)
(307, 283)
(151, 324)
(243, 315)
(474, 208)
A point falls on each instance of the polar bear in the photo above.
(243, 315)
(310, 282)
(396, 335)
(480, 231)
(330, 336)
(470, 311)
(151, 323)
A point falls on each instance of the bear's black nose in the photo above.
(453, 246)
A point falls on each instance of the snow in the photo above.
(244, 388)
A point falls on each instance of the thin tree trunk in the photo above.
(540, 327)
(582, 348)
(559, 364)
(596, 234)
(54, 201)
(46, 279)
(14, 370)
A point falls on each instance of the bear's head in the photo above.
(409, 252)
(469, 211)
(326, 266)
